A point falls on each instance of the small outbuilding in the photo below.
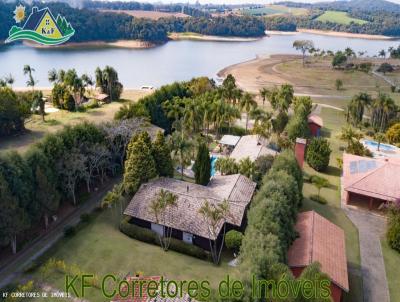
(250, 146)
(315, 123)
(320, 241)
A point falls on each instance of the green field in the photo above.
(339, 17)
(101, 249)
(392, 260)
(275, 10)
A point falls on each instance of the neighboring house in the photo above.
(185, 220)
(43, 22)
(320, 241)
(249, 146)
(143, 297)
(370, 182)
(315, 123)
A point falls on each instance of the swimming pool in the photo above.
(382, 147)
(213, 160)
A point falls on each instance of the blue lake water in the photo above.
(176, 60)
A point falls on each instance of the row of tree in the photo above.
(33, 185)
(271, 227)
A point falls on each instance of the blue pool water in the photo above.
(213, 160)
(383, 147)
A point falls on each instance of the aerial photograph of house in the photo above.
(204, 150)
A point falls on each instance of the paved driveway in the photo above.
(371, 228)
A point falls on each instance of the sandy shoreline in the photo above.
(198, 37)
(132, 44)
(345, 34)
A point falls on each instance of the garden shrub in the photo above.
(148, 236)
(318, 199)
(233, 240)
(69, 231)
(318, 154)
(393, 230)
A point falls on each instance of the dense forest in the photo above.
(93, 25)
(383, 17)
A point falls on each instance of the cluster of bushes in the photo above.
(149, 236)
(15, 108)
(271, 219)
(298, 124)
(33, 185)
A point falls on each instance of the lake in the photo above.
(174, 61)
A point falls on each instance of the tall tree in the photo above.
(139, 165)
(107, 80)
(181, 150)
(304, 46)
(215, 216)
(162, 156)
(357, 106)
(13, 218)
(28, 70)
(47, 195)
(202, 165)
(160, 208)
(247, 103)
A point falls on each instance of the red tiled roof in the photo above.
(380, 181)
(320, 241)
(316, 119)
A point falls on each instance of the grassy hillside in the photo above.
(275, 10)
(339, 17)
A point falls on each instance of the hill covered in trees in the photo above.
(382, 17)
(94, 25)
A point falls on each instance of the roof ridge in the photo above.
(312, 236)
(233, 187)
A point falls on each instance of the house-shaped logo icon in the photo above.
(41, 27)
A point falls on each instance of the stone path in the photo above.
(371, 227)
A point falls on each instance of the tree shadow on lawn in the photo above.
(22, 140)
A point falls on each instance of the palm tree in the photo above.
(383, 108)
(159, 207)
(28, 70)
(192, 115)
(214, 216)
(247, 167)
(379, 137)
(349, 135)
(247, 103)
(264, 92)
(230, 115)
(181, 149)
(319, 183)
(382, 53)
(356, 107)
(226, 166)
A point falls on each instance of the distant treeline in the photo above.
(120, 5)
(383, 17)
(92, 25)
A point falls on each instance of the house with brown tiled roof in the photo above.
(370, 182)
(320, 241)
(184, 219)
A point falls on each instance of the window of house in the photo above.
(47, 22)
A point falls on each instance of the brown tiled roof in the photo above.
(144, 297)
(379, 178)
(320, 241)
(237, 189)
(316, 119)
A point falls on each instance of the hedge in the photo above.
(148, 236)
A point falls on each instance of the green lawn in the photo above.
(275, 10)
(392, 262)
(333, 121)
(100, 248)
(339, 17)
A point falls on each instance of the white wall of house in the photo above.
(187, 237)
(157, 228)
